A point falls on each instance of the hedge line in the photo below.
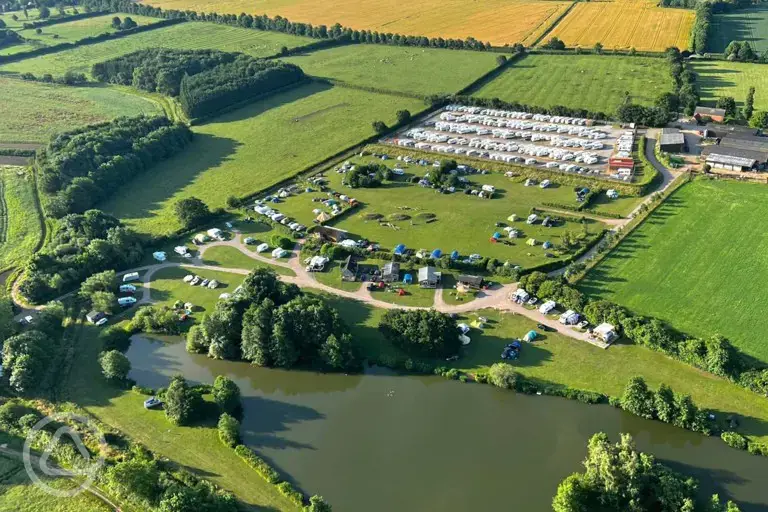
(45, 50)
(16, 152)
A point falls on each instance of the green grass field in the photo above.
(19, 494)
(420, 71)
(33, 111)
(184, 36)
(720, 78)
(21, 225)
(744, 24)
(596, 83)
(71, 31)
(168, 286)
(16, 48)
(230, 257)
(33, 15)
(464, 222)
(257, 146)
(698, 263)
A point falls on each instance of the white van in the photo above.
(132, 276)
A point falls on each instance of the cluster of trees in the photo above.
(79, 168)
(663, 405)
(541, 285)
(28, 356)
(740, 51)
(156, 319)
(81, 245)
(68, 78)
(684, 98)
(8, 37)
(445, 175)
(618, 477)
(496, 103)
(755, 119)
(270, 323)
(125, 24)
(191, 212)
(421, 332)
(99, 290)
(701, 26)
(280, 24)
(206, 81)
(367, 176)
(554, 43)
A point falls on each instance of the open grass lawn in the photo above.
(331, 276)
(71, 31)
(231, 257)
(168, 286)
(415, 296)
(16, 48)
(256, 146)
(497, 21)
(716, 79)
(197, 448)
(20, 222)
(593, 82)
(188, 35)
(420, 71)
(32, 111)
(32, 15)
(747, 24)
(450, 295)
(459, 222)
(19, 494)
(699, 263)
(625, 24)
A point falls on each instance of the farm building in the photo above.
(738, 151)
(473, 282)
(429, 277)
(349, 269)
(715, 114)
(390, 272)
(730, 163)
(672, 140)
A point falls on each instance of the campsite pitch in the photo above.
(698, 263)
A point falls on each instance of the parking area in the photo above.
(566, 144)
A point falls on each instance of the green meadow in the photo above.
(718, 78)
(20, 222)
(698, 262)
(71, 31)
(592, 82)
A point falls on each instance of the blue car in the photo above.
(152, 402)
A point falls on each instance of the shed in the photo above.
(391, 272)
(349, 269)
(672, 140)
(475, 282)
(429, 277)
(715, 114)
(606, 332)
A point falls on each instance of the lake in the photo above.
(383, 442)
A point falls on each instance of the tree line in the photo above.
(206, 81)
(270, 323)
(280, 24)
(79, 168)
(81, 245)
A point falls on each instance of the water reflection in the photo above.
(379, 442)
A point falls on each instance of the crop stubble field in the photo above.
(625, 24)
(189, 35)
(698, 263)
(593, 82)
(496, 21)
(421, 71)
(257, 146)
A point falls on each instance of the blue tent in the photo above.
(408, 279)
(497, 235)
(436, 254)
(547, 245)
(455, 255)
(399, 250)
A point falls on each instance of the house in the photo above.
(349, 269)
(672, 140)
(715, 114)
(429, 277)
(215, 233)
(570, 317)
(547, 307)
(131, 276)
(606, 332)
(473, 282)
(391, 272)
(95, 316)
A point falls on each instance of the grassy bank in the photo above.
(21, 225)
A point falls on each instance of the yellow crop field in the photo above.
(496, 21)
(625, 24)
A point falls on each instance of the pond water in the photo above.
(380, 442)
